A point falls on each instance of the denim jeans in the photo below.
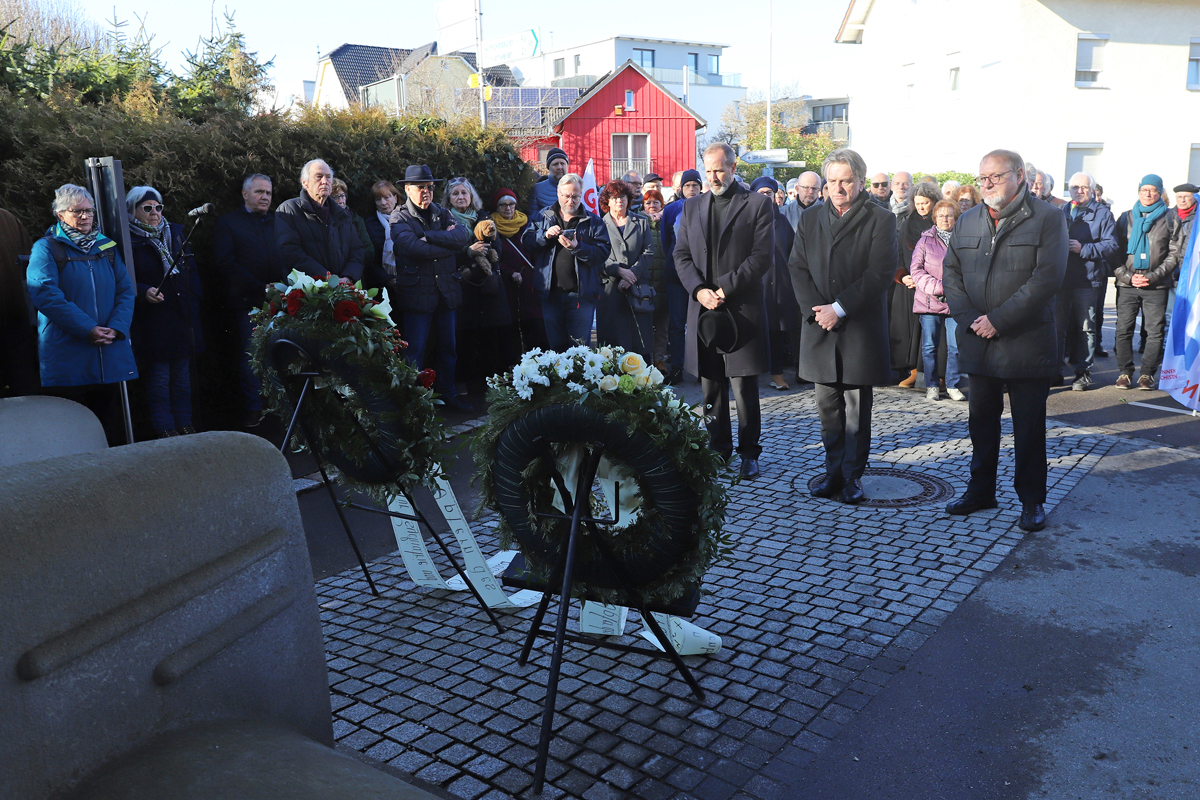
(1075, 315)
(568, 319)
(250, 384)
(417, 327)
(931, 327)
(169, 391)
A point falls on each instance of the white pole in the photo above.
(770, 45)
(479, 63)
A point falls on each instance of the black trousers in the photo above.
(1153, 305)
(716, 402)
(1027, 400)
(103, 400)
(845, 414)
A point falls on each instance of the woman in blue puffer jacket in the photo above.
(84, 298)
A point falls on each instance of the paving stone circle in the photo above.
(819, 606)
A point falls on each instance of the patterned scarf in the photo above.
(160, 238)
(943, 235)
(83, 241)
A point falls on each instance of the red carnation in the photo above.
(346, 310)
(294, 297)
(426, 377)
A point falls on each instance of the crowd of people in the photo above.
(835, 278)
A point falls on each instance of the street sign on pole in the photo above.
(504, 49)
(764, 156)
(456, 21)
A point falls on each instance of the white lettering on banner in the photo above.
(686, 638)
(601, 619)
(477, 568)
(412, 546)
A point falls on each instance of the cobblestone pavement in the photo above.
(822, 603)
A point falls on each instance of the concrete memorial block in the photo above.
(160, 624)
(35, 428)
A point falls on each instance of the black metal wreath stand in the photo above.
(561, 582)
(309, 372)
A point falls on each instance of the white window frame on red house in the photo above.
(629, 162)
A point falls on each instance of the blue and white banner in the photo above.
(1181, 361)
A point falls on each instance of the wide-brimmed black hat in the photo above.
(419, 173)
(720, 329)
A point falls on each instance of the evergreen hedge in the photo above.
(43, 144)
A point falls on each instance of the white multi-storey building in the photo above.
(707, 92)
(1111, 87)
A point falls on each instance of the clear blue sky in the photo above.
(295, 31)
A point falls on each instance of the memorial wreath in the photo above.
(364, 381)
(661, 480)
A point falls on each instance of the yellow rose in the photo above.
(606, 353)
(608, 383)
(632, 363)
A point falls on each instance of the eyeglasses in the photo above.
(150, 208)
(81, 212)
(422, 188)
(992, 179)
(506, 205)
(873, 185)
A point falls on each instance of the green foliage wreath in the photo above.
(624, 390)
(372, 383)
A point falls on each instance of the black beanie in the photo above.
(690, 175)
(556, 152)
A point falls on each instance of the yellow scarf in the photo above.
(509, 228)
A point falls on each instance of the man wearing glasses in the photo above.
(881, 190)
(426, 241)
(1004, 264)
(317, 236)
(902, 185)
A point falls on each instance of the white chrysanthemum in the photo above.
(563, 366)
(578, 388)
(524, 392)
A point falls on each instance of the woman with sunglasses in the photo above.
(166, 319)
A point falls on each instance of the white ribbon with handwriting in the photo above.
(481, 571)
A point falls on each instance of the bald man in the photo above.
(880, 190)
(808, 193)
(902, 186)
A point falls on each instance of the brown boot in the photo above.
(910, 381)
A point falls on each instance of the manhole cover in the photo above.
(898, 488)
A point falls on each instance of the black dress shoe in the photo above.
(967, 504)
(458, 404)
(673, 377)
(828, 486)
(852, 493)
(750, 469)
(1033, 517)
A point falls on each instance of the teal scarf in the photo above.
(466, 220)
(83, 241)
(1141, 218)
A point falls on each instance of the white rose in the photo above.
(608, 383)
(656, 376)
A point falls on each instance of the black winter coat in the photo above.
(781, 298)
(485, 298)
(160, 331)
(426, 257)
(314, 247)
(247, 256)
(741, 259)
(1011, 276)
(1183, 232)
(374, 276)
(853, 266)
(1165, 253)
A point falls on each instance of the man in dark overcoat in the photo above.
(842, 264)
(723, 249)
(1004, 264)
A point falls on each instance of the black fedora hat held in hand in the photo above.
(720, 329)
(419, 173)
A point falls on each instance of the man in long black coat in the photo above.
(1005, 263)
(723, 248)
(842, 264)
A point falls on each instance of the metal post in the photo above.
(479, 63)
(770, 44)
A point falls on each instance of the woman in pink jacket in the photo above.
(930, 302)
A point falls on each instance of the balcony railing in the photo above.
(619, 166)
(838, 130)
(694, 78)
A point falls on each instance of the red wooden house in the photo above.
(626, 120)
